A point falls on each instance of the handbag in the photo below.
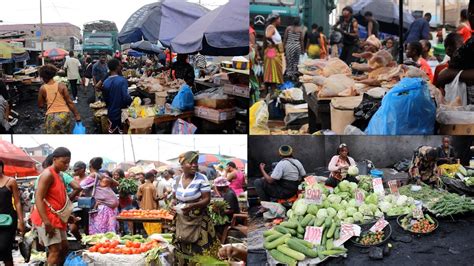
(188, 227)
(88, 202)
(5, 220)
(65, 212)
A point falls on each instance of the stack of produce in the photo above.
(422, 225)
(156, 214)
(217, 210)
(395, 206)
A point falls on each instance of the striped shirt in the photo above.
(194, 190)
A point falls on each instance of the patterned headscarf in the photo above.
(188, 157)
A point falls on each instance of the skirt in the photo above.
(273, 65)
(314, 51)
(58, 123)
(207, 245)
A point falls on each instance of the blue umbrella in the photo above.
(161, 21)
(146, 47)
(221, 32)
(134, 53)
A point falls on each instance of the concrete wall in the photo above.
(316, 151)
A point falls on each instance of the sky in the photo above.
(84, 147)
(78, 12)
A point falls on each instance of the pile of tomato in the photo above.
(114, 247)
(162, 214)
(422, 226)
(372, 238)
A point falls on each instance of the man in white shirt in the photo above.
(72, 67)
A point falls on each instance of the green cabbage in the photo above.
(350, 211)
(300, 207)
(372, 198)
(358, 217)
(331, 212)
(365, 209)
(334, 198)
(322, 213)
(341, 214)
(344, 186)
(353, 170)
(349, 220)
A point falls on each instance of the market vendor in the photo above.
(446, 152)
(182, 69)
(339, 165)
(284, 180)
(423, 167)
(414, 52)
(195, 233)
(222, 186)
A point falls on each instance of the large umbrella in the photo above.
(17, 162)
(146, 47)
(223, 31)
(55, 53)
(240, 163)
(161, 21)
(386, 12)
(134, 53)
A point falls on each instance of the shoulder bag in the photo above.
(65, 212)
(88, 202)
(188, 226)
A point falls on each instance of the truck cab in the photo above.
(100, 37)
(288, 10)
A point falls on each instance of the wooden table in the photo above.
(132, 220)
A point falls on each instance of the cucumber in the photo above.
(300, 229)
(277, 242)
(296, 245)
(300, 236)
(288, 224)
(320, 253)
(304, 242)
(292, 231)
(327, 222)
(277, 255)
(306, 220)
(270, 232)
(337, 233)
(339, 248)
(291, 253)
(329, 244)
(323, 241)
(429, 218)
(318, 222)
(270, 238)
(311, 222)
(332, 252)
(281, 229)
(331, 230)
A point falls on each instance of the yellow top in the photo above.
(54, 99)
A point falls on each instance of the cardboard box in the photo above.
(215, 103)
(237, 90)
(214, 115)
(342, 112)
(457, 129)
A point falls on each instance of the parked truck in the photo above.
(309, 11)
(100, 37)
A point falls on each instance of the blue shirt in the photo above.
(116, 96)
(419, 30)
(99, 71)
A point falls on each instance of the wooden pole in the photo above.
(400, 48)
(444, 13)
(42, 33)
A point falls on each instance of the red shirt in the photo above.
(465, 31)
(438, 70)
(426, 67)
(56, 196)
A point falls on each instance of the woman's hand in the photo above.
(21, 228)
(189, 207)
(262, 166)
(49, 229)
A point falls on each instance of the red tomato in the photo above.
(136, 244)
(99, 245)
(102, 250)
(126, 250)
(128, 244)
(93, 249)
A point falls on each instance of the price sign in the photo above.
(313, 234)
(347, 231)
(313, 196)
(379, 225)
(378, 186)
(393, 185)
(359, 196)
(417, 213)
(310, 180)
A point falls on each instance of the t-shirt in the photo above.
(419, 30)
(426, 67)
(72, 66)
(116, 96)
(148, 192)
(99, 71)
(198, 185)
(231, 198)
(288, 169)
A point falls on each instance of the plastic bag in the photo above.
(259, 119)
(275, 210)
(456, 89)
(183, 127)
(74, 259)
(79, 129)
(336, 84)
(406, 110)
(461, 115)
(184, 100)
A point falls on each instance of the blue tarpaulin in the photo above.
(223, 31)
(134, 53)
(161, 21)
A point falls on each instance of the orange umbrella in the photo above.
(55, 53)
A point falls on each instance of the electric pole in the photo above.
(42, 33)
(133, 149)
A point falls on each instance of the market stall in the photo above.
(365, 222)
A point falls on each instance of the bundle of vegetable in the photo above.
(426, 194)
(451, 204)
(92, 239)
(371, 238)
(423, 225)
(217, 210)
(127, 186)
(395, 206)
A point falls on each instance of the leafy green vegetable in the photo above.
(127, 186)
(300, 207)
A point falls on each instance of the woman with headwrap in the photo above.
(195, 234)
(105, 218)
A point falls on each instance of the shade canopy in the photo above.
(17, 162)
(160, 21)
(146, 47)
(55, 53)
(223, 31)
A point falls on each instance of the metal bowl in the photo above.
(416, 233)
(365, 228)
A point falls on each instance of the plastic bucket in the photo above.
(376, 173)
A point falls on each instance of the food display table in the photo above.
(144, 123)
(132, 220)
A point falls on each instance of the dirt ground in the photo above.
(31, 118)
